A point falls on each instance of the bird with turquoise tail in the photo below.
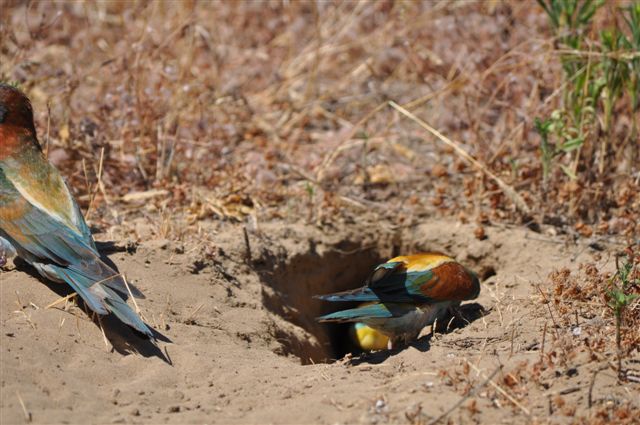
(41, 221)
(405, 294)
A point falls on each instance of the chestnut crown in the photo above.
(15, 108)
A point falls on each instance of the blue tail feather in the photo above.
(380, 311)
(361, 295)
(81, 285)
(100, 297)
(123, 312)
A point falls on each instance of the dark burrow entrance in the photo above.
(290, 287)
(289, 292)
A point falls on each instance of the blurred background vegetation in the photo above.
(281, 109)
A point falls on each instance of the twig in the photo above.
(131, 295)
(46, 140)
(506, 189)
(544, 239)
(104, 335)
(565, 391)
(192, 317)
(98, 186)
(555, 326)
(500, 390)
(593, 381)
(632, 377)
(544, 336)
(363, 203)
(60, 300)
(613, 55)
(27, 414)
(100, 170)
(513, 334)
(470, 394)
(19, 301)
(247, 244)
(454, 84)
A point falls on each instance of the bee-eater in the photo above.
(41, 220)
(407, 293)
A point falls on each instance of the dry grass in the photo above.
(583, 305)
(274, 109)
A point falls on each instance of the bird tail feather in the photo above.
(372, 311)
(360, 295)
(101, 296)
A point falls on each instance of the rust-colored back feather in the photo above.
(453, 282)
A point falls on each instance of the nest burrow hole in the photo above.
(289, 290)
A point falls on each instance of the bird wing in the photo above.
(369, 311)
(364, 294)
(37, 181)
(418, 279)
(46, 236)
(426, 278)
(393, 288)
(404, 279)
(63, 249)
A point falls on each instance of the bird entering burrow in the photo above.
(403, 296)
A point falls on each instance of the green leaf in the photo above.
(550, 13)
(568, 171)
(542, 127)
(309, 188)
(589, 9)
(572, 144)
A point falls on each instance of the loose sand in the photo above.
(245, 347)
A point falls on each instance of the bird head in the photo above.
(16, 120)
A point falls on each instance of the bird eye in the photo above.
(3, 113)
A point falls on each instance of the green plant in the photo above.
(632, 19)
(620, 296)
(597, 74)
(568, 140)
(570, 18)
(308, 187)
(11, 83)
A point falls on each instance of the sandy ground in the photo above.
(240, 345)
